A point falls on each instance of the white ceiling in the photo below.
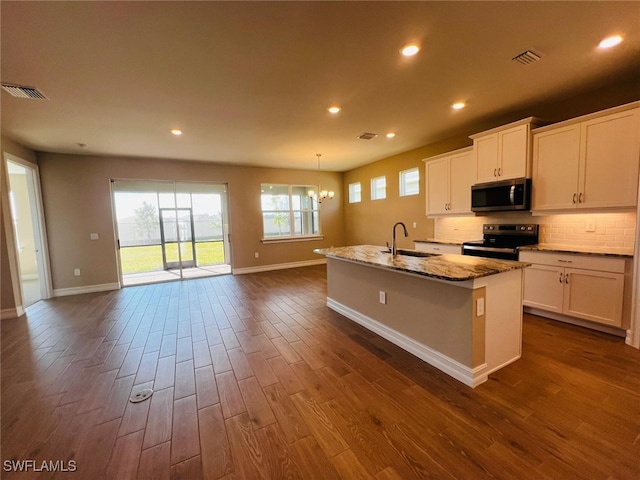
(249, 82)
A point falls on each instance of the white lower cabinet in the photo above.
(582, 286)
(435, 247)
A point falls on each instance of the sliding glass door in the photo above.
(170, 230)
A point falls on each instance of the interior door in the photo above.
(177, 236)
(26, 218)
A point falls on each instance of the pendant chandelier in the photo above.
(324, 194)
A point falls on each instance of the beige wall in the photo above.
(77, 202)
(9, 288)
(371, 221)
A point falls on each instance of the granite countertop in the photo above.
(449, 267)
(437, 240)
(606, 251)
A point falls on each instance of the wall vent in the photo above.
(367, 136)
(527, 57)
(20, 91)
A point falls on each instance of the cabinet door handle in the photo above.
(580, 198)
(499, 171)
(565, 261)
(574, 197)
(566, 279)
(495, 172)
(560, 278)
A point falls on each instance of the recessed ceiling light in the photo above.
(610, 41)
(410, 50)
(391, 135)
(458, 105)
(334, 109)
(177, 132)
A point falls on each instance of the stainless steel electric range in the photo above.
(502, 241)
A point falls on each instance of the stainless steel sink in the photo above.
(414, 253)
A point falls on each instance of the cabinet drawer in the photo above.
(571, 260)
(438, 248)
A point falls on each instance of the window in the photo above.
(355, 192)
(288, 211)
(378, 188)
(410, 182)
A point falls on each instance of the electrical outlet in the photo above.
(76, 272)
(591, 226)
(415, 224)
(480, 307)
(256, 255)
(383, 297)
(94, 236)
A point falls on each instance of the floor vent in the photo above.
(527, 57)
(367, 136)
(141, 396)
(20, 91)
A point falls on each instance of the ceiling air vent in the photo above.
(367, 136)
(527, 57)
(24, 92)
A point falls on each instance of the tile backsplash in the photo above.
(612, 230)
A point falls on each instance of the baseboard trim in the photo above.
(105, 287)
(618, 332)
(8, 313)
(471, 377)
(278, 266)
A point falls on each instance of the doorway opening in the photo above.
(28, 231)
(170, 230)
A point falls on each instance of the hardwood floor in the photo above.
(254, 377)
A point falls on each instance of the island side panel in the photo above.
(436, 314)
(503, 318)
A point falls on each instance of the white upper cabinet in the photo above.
(589, 162)
(503, 153)
(449, 178)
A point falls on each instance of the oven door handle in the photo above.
(488, 249)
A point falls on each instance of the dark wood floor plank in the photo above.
(258, 408)
(206, 387)
(323, 430)
(250, 460)
(291, 423)
(185, 439)
(214, 443)
(311, 459)
(239, 363)
(286, 375)
(220, 359)
(261, 368)
(230, 397)
(155, 463)
(165, 373)
(125, 457)
(160, 418)
(185, 379)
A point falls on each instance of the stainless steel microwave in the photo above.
(501, 196)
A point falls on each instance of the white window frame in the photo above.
(355, 192)
(374, 188)
(404, 184)
(293, 235)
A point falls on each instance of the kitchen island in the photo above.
(461, 314)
